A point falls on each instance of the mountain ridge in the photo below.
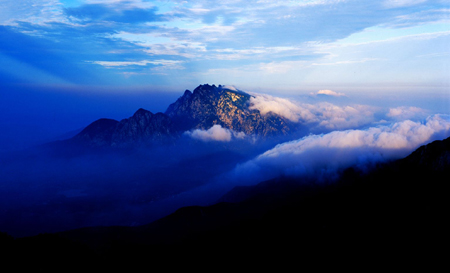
(206, 106)
(210, 105)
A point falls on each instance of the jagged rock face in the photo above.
(209, 105)
(142, 127)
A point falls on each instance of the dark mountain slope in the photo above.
(98, 133)
(141, 128)
(399, 208)
(432, 157)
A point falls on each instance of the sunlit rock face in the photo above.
(209, 105)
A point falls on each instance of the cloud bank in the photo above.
(282, 107)
(403, 112)
(324, 155)
(318, 116)
(215, 133)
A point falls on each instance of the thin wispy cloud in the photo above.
(113, 13)
(33, 11)
(402, 3)
(169, 64)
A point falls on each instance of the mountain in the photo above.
(142, 127)
(434, 157)
(209, 105)
(203, 108)
(399, 207)
(98, 133)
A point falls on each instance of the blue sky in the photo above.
(82, 51)
(283, 45)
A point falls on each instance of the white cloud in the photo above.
(401, 3)
(324, 155)
(168, 64)
(33, 11)
(230, 87)
(128, 4)
(403, 112)
(240, 135)
(282, 107)
(262, 53)
(330, 93)
(182, 49)
(318, 116)
(160, 43)
(364, 60)
(279, 67)
(215, 133)
(335, 117)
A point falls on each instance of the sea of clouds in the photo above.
(324, 155)
(319, 116)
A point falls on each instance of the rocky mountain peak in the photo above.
(203, 108)
(209, 105)
(98, 133)
(141, 113)
(206, 89)
(187, 93)
(143, 127)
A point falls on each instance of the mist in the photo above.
(56, 186)
(323, 156)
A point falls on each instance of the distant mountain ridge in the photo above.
(142, 127)
(206, 106)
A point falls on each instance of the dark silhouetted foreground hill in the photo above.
(396, 212)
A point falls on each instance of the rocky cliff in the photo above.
(209, 105)
(142, 127)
